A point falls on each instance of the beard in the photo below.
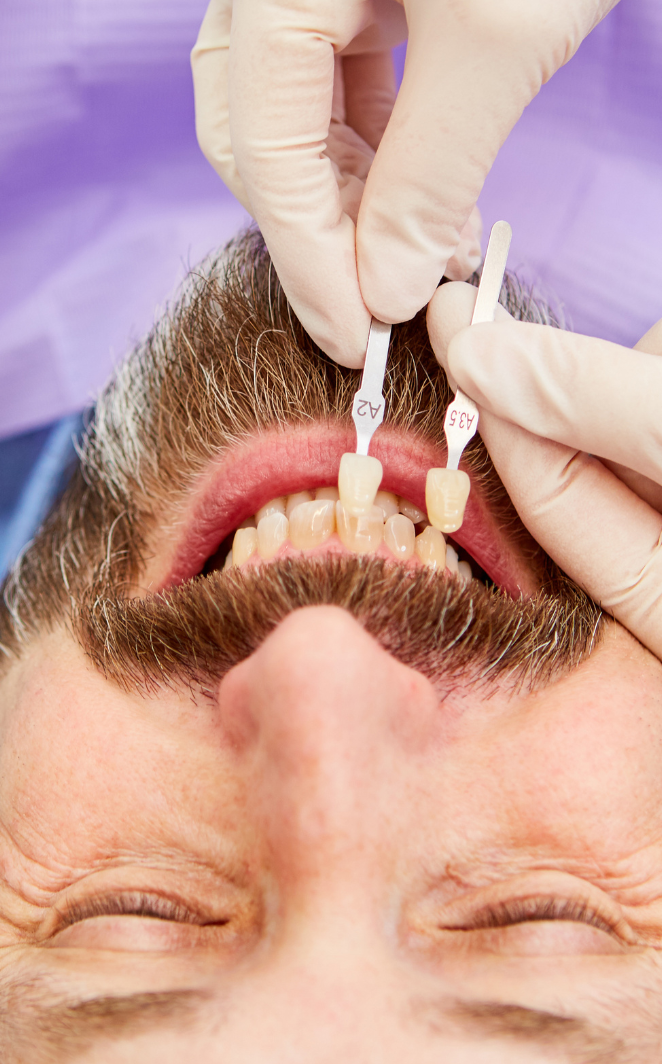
(453, 633)
(231, 360)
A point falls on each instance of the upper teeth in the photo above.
(307, 520)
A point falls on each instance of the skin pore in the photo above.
(248, 817)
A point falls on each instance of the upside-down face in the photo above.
(331, 797)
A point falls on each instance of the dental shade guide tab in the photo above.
(360, 474)
(368, 406)
(461, 419)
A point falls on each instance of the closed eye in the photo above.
(133, 903)
(529, 910)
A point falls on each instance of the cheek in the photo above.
(71, 743)
(594, 764)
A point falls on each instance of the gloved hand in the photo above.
(292, 101)
(573, 426)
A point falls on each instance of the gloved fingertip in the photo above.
(387, 306)
(449, 311)
(396, 281)
(464, 262)
(345, 347)
(344, 358)
(468, 255)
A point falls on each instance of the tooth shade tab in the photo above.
(446, 494)
(312, 522)
(388, 502)
(272, 531)
(359, 478)
(295, 500)
(430, 546)
(452, 563)
(244, 545)
(328, 493)
(360, 533)
(412, 512)
(276, 506)
(400, 536)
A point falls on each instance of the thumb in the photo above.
(590, 394)
(471, 69)
(209, 66)
(590, 523)
(598, 531)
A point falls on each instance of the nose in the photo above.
(330, 729)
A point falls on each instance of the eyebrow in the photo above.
(70, 1027)
(579, 1039)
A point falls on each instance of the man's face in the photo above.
(307, 814)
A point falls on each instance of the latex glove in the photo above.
(574, 429)
(298, 154)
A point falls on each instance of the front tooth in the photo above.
(327, 493)
(360, 533)
(359, 478)
(431, 548)
(244, 545)
(388, 502)
(464, 569)
(446, 494)
(400, 536)
(272, 531)
(311, 523)
(452, 563)
(296, 500)
(412, 512)
(228, 561)
(276, 506)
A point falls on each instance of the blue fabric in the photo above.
(33, 470)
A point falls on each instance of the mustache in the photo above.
(226, 361)
(453, 633)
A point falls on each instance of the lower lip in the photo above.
(281, 462)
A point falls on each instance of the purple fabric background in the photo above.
(105, 198)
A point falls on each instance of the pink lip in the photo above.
(280, 462)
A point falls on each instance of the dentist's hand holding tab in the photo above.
(574, 427)
(366, 200)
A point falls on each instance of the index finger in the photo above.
(280, 91)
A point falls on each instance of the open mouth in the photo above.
(281, 485)
(314, 522)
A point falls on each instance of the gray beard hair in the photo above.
(228, 361)
(451, 632)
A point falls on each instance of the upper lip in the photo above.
(285, 460)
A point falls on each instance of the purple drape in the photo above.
(105, 198)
